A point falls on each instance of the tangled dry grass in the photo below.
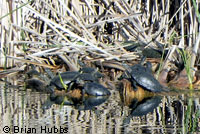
(41, 32)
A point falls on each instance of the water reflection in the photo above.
(142, 108)
(82, 103)
(185, 115)
(171, 113)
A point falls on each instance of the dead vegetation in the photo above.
(57, 33)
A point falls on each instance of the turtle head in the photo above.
(32, 74)
(143, 58)
(80, 81)
(127, 67)
(149, 65)
(127, 73)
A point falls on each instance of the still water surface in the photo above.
(24, 111)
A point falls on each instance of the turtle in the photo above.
(88, 70)
(86, 77)
(32, 73)
(143, 76)
(74, 78)
(37, 81)
(90, 85)
(88, 74)
(92, 71)
(84, 74)
(95, 89)
(67, 78)
(37, 85)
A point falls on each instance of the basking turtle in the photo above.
(95, 89)
(143, 76)
(93, 71)
(75, 78)
(32, 73)
(88, 69)
(67, 78)
(36, 81)
(86, 77)
(37, 85)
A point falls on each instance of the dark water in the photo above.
(24, 111)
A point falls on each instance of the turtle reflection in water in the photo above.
(90, 102)
(142, 108)
(128, 95)
(142, 76)
(140, 101)
(73, 98)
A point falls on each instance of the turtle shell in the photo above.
(87, 77)
(92, 71)
(88, 70)
(67, 77)
(32, 73)
(143, 77)
(95, 89)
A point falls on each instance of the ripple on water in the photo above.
(24, 109)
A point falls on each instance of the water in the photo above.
(22, 111)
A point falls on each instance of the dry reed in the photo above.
(94, 30)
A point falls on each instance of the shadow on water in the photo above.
(171, 113)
